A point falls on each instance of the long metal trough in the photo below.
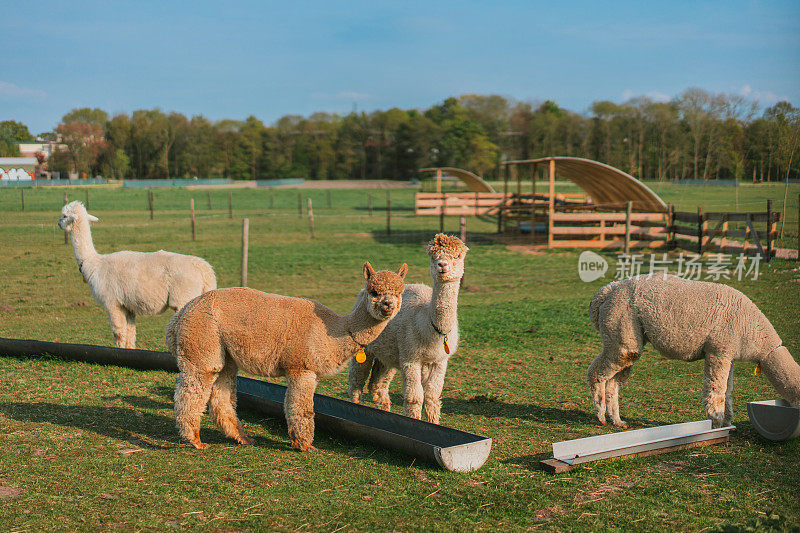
(449, 448)
(648, 441)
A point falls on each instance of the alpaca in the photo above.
(420, 340)
(129, 283)
(686, 320)
(270, 335)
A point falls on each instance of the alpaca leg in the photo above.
(603, 369)
(192, 392)
(413, 393)
(433, 384)
(223, 404)
(379, 384)
(728, 418)
(299, 408)
(715, 382)
(357, 376)
(119, 326)
(130, 338)
(613, 386)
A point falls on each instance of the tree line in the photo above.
(696, 135)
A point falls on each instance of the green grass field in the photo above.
(90, 447)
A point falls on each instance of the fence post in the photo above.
(150, 202)
(369, 204)
(271, 199)
(300, 205)
(388, 213)
(463, 227)
(328, 192)
(245, 239)
(310, 218)
(628, 208)
(66, 201)
(86, 191)
(769, 229)
(700, 230)
(208, 198)
(191, 208)
(22, 197)
(230, 204)
(672, 242)
(441, 213)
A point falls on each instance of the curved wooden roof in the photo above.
(474, 182)
(603, 183)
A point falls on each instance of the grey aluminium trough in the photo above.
(449, 448)
(775, 419)
(569, 453)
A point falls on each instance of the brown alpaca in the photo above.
(270, 335)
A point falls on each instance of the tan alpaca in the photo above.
(128, 283)
(686, 320)
(224, 330)
(414, 341)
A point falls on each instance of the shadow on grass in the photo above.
(494, 408)
(144, 430)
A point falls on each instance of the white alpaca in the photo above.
(129, 283)
(685, 320)
(419, 340)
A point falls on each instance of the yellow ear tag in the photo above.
(757, 370)
(446, 347)
(361, 357)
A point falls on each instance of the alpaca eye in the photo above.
(374, 294)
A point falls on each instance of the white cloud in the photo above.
(351, 95)
(656, 96)
(763, 97)
(15, 91)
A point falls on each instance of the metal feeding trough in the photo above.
(775, 419)
(450, 448)
(640, 442)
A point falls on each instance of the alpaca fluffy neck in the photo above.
(360, 328)
(783, 372)
(443, 307)
(82, 244)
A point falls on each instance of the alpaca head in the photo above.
(74, 212)
(384, 291)
(447, 255)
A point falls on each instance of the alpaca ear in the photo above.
(368, 270)
(92, 218)
(402, 271)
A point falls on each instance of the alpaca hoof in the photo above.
(245, 440)
(621, 424)
(385, 406)
(302, 446)
(199, 445)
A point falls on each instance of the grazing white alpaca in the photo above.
(129, 283)
(686, 320)
(419, 340)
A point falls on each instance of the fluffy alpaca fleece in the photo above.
(129, 283)
(686, 320)
(414, 342)
(224, 330)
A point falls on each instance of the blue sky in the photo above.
(269, 59)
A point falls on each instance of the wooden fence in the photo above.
(747, 233)
(485, 203)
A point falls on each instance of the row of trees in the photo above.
(697, 135)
